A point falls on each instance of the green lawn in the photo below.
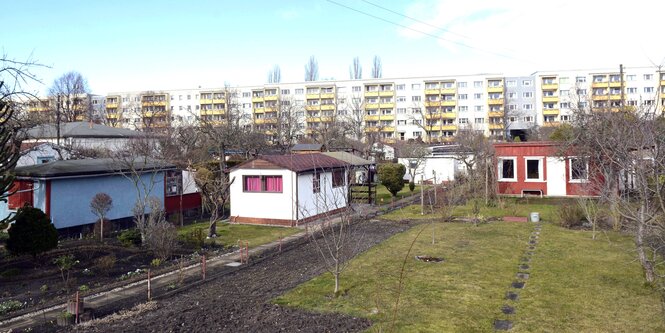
(576, 284)
(229, 234)
(383, 194)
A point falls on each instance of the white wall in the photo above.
(42, 151)
(265, 204)
(444, 167)
(329, 198)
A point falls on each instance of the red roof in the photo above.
(298, 162)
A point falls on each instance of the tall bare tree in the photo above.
(356, 70)
(416, 154)
(377, 68)
(312, 69)
(100, 205)
(275, 75)
(71, 94)
(14, 75)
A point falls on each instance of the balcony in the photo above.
(387, 105)
(495, 114)
(387, 93)
(432, 91)
(211, 112)
(495, 126)
(387, 117)
(387, 129)
(112, 116)
(550, 99)
(550, 86)
(615, 97)
(312, 96)
(371, 93)
(498, 89)
(313, 119)
(432, 103)
(603, 84)
(270, 98)
(327, 106)
(615, 84)
(600, 97)
(154, 103)
(374, 117)
(259, 110)
(207, 101)
(448, 91)
(495, 101)
(371, 106)
(446, 127)
(328, 95)
(551, 124)
(550, 112)
(449, 102)
(312, 107)
(112, 105)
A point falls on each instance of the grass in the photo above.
(576, 284)
(506, 207)
(229, 234)
(383, 197)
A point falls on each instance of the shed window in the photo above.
(338, 178)
(316, 183)
(578, 169)
(534, 169)
(262, 184)
(21, 194)
(507, 169)
(173, 183)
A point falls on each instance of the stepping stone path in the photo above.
(512, 296)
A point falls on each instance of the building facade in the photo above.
(392, 109)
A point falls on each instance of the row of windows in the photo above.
(507, 169)
(274, 184)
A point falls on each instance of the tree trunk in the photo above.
(336, 291)
(639, 242)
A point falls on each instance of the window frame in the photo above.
(570, 170)
(541, 175)
(500, 161)
(263, 183)
(338, 178)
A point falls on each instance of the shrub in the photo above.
(156, 262)
(392, 177)
(9, 306)
(570, 216)
(43, 288)
(412, 186)
(105, 263)
(84, 288)
(32, 233)
(131, 237)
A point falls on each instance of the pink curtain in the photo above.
(253, 184)
(273, 183)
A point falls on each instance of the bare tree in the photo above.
(161, 235)
(275, 75)
(101, 204)
(416, 154)
(214, 192)
(356, 70)
(71, 94)
(377, 68)
(286, 123)
(355, 117)
(13, 76)
(476, 152)
(312, 69)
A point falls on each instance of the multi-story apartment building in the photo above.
(432, 108)
(78, 107)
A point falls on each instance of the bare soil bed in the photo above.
(241, 300)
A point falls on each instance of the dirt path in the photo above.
(240, 301)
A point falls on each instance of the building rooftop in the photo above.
(294, 162)
(307, 147)
(349, 158)
(71, 168)
(81, 129)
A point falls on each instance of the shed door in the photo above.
(556, 176)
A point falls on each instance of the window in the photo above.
(527, 106)
(463, 120)
(300, 91)
(463, 108)
(401, 98)
(648, 89)
(565, 118)
(631, 90)
(527, 94)
(648, 77)
(338, 178)
(400, 87)
(286, 91)
(417, 134)
(461, 84)
(512, 107)
(581, 92)
(401, 122)
(512, 95)
(528, 119)
(564, 105)
(478, 96)
(527, 83)
(511, 83)
(262, 184)
(507, 169)
(401, 110)
(564, 92)
(578, 169)
(478, 108)
(415, 98)
(477, 84)
(173, 183)
(316, 182)
(534, 169)
(580, 79)
(415, 86)
(631, 77)
(462, 96)
(479, 120)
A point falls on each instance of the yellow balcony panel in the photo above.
(432, 91)
(449, 102)
(374, 117)
(312, 107)
(328, 95)
(387, 105)
(257, 99)
(372, 129)
(550, 86)
(387, 117)
(449, 128)
(435, 115)
(205, 101)
(495, 114)
(550, 99)
(112, 116)
(603, 84)
(111, 105)
(432, 103)
(387, 129)
(496, 101)
(662, 82)
(259, 110)
(550, 112)
(615, 84)
(313, 96)
(551, 124)
(313, 119)
(600, 97)
(495, 126)
(328, 107)
(371, 93)
(260, 121)
(389, 140)
(219, 101)
(370, 106)
(495, 89)
(448, 115)
(270, 98)
(387, 93)
(615, 97)
(448, 91)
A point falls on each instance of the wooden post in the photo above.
(422, 195)
(76, 321)
(203, 266)
(149, 291)
(280, 244)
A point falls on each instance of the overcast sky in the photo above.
(140, 45)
